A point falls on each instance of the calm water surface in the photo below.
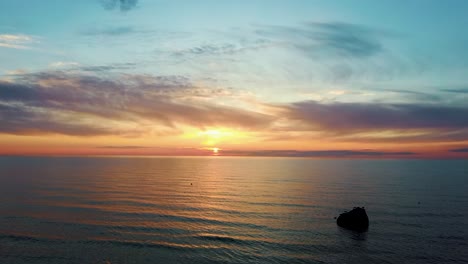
(230, 210)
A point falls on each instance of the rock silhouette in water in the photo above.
(355, 219)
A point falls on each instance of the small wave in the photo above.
(21, 238)
(283, 204)
(457, 238)
(259, 243)
(138, 244)
(224, 239)
(423, 214)
(42, 258)
(105, 242)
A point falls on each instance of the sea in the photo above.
(119, 210)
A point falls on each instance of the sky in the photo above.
(346, 79)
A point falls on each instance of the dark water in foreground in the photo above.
(230, 210)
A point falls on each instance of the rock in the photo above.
(355, 219)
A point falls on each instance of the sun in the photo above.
(214, 133)
(212, 137)
(215, 137)
(215, 151)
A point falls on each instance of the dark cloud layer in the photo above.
(56, 102)
(122, 147)
(85, 104)
(317, 153)
(20, 119)
(460, 150)
(349, 117)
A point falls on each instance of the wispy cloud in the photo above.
(16, 41)
(219, 49)
(317, 153)
(460, 150)
(342, 39)
(456, 90)
(372, 116)
(376, 122)
(16, 72)
(110, 31)
(86, 102)
(107, 68)
(58, 102)
(71, 65)
(28, 120)
(335, 40)
(123, 5)
(122, 147)
(210, 49)
(60, 64)
(411, 95)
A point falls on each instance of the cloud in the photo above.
(60, 64)
(414, 95)
(110, 31)
(88, 103)
(350, 117)
(374, 122)
(456, 90)
(317, 153)
(347, 38)
(342, 39)
(16, 72)
(211, 49)
(77, 104)
(107, 68)
(70, 65)
(123, 5)
(215, 49)
(16, 41)
(24, 120)
(122, 147)
(460, 150)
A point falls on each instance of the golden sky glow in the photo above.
(319, 79)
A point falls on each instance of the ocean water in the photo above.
(230, 210)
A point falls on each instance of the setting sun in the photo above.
(181, 131)
(237, 92)
(215, 136)
(215, 133)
